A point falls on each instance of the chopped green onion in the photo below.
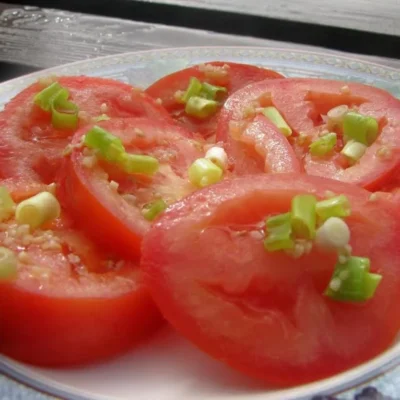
(43, 99)
(218, 156)
(352, 281)
(361, 128)
(323, 145)
(154, 209)
(304, 216)
(279, 230)
(279, 221)
(371, 282)
(64, 114)
(336, 115)
(6, 204)
(194, 89)
(138, 164)
(54, 98)
(353, 150)
(338, 206)
(276, 118)
(333, 234)
(200, 107)
(210, 91)
(204, 172)
(37, 210)
(278, 241)
(8, 264)
(102, 117)
(109, 146)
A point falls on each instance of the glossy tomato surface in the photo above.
(231, 76)
(112, 214)
(303, 103)
(264, 313)
(261, 147)
(32, 148)
(72, 303)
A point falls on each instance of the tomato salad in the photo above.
(257, 214)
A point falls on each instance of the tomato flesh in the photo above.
(261, 147)
(73, 303)
(265, 313)
(106, 213)
(232, 76)
(32, 149)
(302, 103)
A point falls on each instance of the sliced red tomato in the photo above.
(71, 303)
(261, 147)
(302, 103)
(232, 76)
(265, 313)
(32, 148)
(107, 202)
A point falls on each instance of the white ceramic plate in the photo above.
(168, 367)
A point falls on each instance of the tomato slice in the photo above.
(261, 147)
(32, 148)
(72, 303)
(302, 103)
(232, 76)
(265, 313)
(110, 214)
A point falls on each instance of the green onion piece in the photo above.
(335, 115)
(279, 230)
(200, 107)
(361, 128)
(138, 164)
(323, 145)
(353, 150)
(276, 118)
(371, 283)
(210, 91)
(276, 242)
(304, 216)
(64, 114)
(102, 117)
(37, 210)
(60, 96)
(109, 146)
(43, 98)
(7, 204)
(352, 281)
(8, 265)
(338, 206)
(204, 172)
(278, 221)
(154, 209)
(194, 89)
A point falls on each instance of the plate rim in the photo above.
(355, 376)
(346, 57)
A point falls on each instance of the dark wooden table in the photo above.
(33, 38)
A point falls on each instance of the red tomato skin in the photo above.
(33, 148)
(240, 75)
(63, 332)
(161, 257)
(302, 100)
